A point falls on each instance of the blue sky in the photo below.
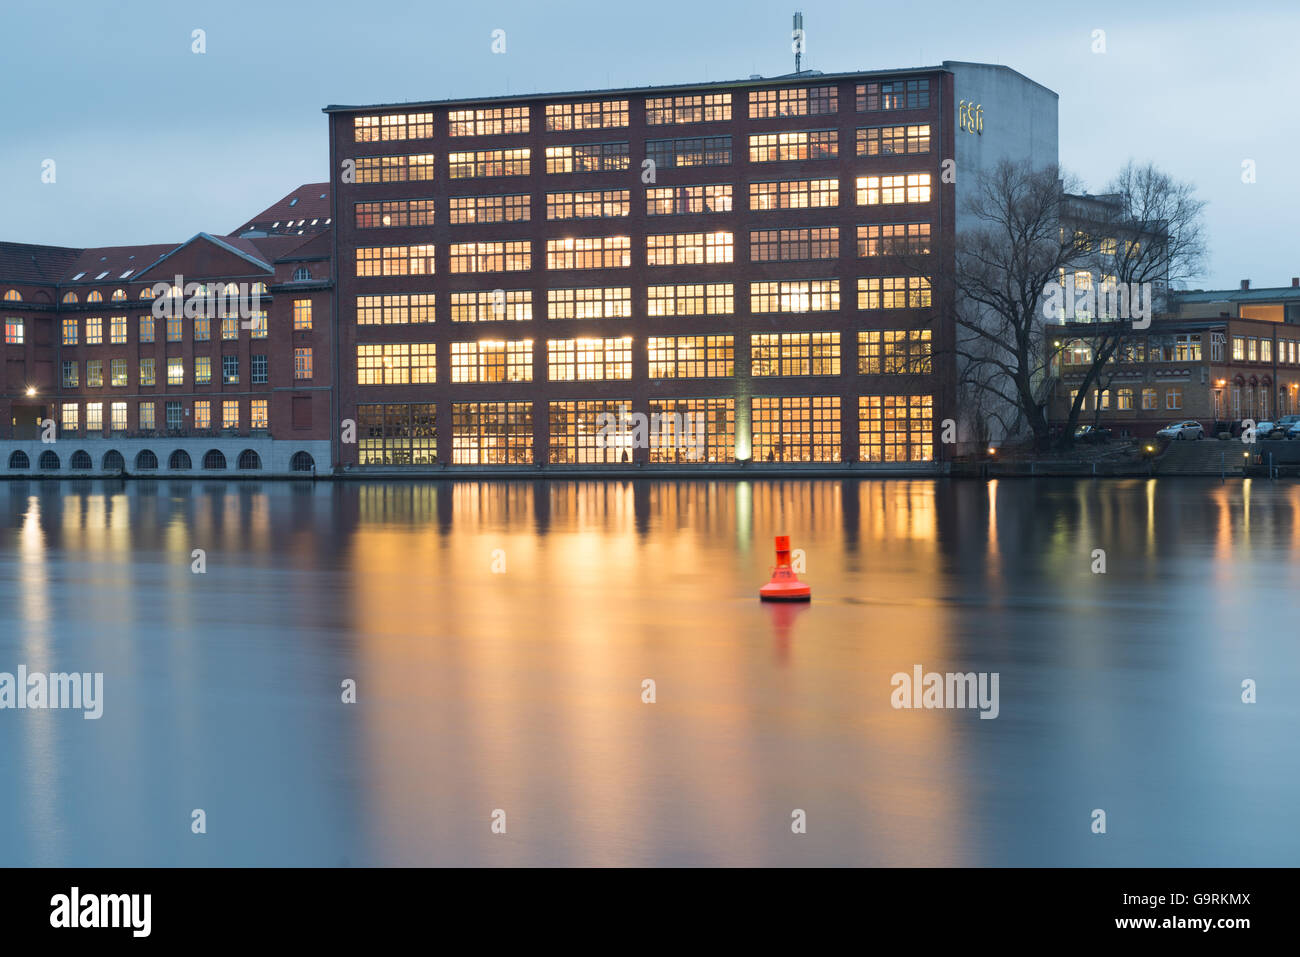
(154, 143)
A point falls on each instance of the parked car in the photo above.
(1294, 431)
(1265, 430)
(1285, 424)
(1183, 430)
(1091, 433)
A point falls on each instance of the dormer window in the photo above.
(301, 274)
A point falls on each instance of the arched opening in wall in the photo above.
(214, 461)
(113, 461)
(49, 462)
(146, 461)
(81, 461)
(19, 460)
(249, 461)
(180, 461)
(302, 462)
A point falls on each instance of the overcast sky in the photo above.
(154, 143)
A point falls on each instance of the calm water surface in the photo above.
(522, 689)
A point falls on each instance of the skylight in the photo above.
(294, 201)
(125, 274)
(103, 274)
(77, 276)
(322, 195)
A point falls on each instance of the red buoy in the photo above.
(784, 586)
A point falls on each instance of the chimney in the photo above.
(1245, 284)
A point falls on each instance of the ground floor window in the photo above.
(397, 434)
(796, 428)
(69, 416)
(1173, 398)
(896, 428)
(259, 414)
(1149, 399)
(692, 430)
(1124, 399)
(579, 435)
(492, 433)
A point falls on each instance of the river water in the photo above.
(500, 636)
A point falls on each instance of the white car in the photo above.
(1182, 430)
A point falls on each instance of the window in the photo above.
(669, 110)
(711, 299)
(794, 194)
(691, 357)
(95, 331)
(683, 422)
(259, 414)
(202, 414)
(894, 239)
(596, 252)
(1252, 345)
(783, 245)
(684, 249)
(806, 295)
(70, 371)
(395, 260)
(594, 302)
(1265, 349)
(894, 352)
(491, 257)
(491, 433)
(70, 329)
(302, 315)
(695, 151)
(94, 417)
(13, 295)
(203, 329)
(148, 373)
(492, 361)
(172, 410)
(148, 421)
(95, 295)
(1148, 399)
(117, 330)
(588, 158)
(1238, 349)
(511, 208)
(302, 363)
(891, 190)
(395, 126)
(1124, 400)
(259, 370)
(584, 432)
(1173, 398)
(678, 200)
(117, 377)
(146, 329)
(894, 292)
(417, 167)
(230, 370)
(588, 359)
(483, 164)
(94, 373)
(395, 310)
(14, 331)
(117, 417)
(303, 274)
(202, 370)
(68, 416)
(387, 214)
(796, 429)
(230, 414)
(893, 140)
(801, 145)
(396, 363)
(795, 353)
(397, 434)
(486, 305)
(896, 428)
(173, 328)
(893, 95)
(593, 204)
(797, 101)
(593, 115)
(488, 122)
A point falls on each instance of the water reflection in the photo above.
(500, 634)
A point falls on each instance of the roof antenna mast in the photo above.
(797, 38)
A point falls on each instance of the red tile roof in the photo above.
(292, 213)
(27, 263)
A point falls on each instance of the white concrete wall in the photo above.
(274, 453)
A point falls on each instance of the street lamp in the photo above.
(31, 390)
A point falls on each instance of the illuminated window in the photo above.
(395, 310)
(893, 140)
(508, 208)
(808, 295)
(397, 434)
(117, 330)
(395, 260)
(70, 329)
(492, 361)
(795, 428)
(894, 239)
(148, 373)
(794, 194)
(585, 432)
(202, 370)
(795, 353)
(680, 200)
(593, 204)
(675, 110)
(491, 433)
(801, 145)
(95, 331)
(175, 370)
(592, 115)
(302, 315)
(701, 299)
(683, 249)
(589, 359)
(681, 424)
(694, 151)
(417, 167)
(894, 292)
(1174, 398)
(491, 257)
(230, 414)
(896, 428)
(1149, 400)
(117, 375)
(14, 331)
(13, 295)
(893, 95)
(94, 417)
(202, 414)
(395, 126)
(399, 363)
(230, 370)
(117, 417)
(782, 245)
(174, 329)
(259, 416)
(484, 164)
(595, 252)
(95, 373)
(302, 365)
(147, 414)
(392, 213)
(70, 374)
(691, 357)
(894, 352)
(95, 296)
(230, 327)
(891, 190)
(1239, 348)
(588, 158)
(492, 305)
(595, 302)
(793, 101)
(488, 122)
(68, 417)
(203, 329)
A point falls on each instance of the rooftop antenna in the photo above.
(797, 37)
